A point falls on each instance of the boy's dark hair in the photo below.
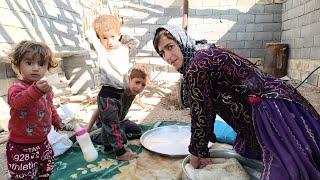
(140, 71)
(37, 48)
(105, 23)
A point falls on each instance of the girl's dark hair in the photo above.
(37, 48)
(157, 36)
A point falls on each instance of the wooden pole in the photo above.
(185, 14)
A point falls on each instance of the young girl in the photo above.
(28, 151)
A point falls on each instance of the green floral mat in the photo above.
(71, 164)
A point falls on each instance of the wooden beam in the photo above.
(185, 14)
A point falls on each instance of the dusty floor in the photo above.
(161, 97)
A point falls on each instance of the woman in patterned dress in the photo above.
(273, 121)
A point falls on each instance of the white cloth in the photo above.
(60, 142)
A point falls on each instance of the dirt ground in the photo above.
(161, 97)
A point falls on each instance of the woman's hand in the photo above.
(198, 162)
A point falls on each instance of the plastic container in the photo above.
(89, 152)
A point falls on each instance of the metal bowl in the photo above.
(252, 167)
(172, 140)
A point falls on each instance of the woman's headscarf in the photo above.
(187, 44)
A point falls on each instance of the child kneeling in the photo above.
(113, 105)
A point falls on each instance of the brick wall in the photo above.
(301, 30)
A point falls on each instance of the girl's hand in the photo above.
(198, 162)
(43, 86)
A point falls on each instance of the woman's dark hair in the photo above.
(157, 36)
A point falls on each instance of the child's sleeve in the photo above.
(93, 38)
(20, 97)
(129, 41)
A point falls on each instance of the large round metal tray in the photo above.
(170, 140)
(252, 167)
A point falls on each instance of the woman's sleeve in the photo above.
(202, 114)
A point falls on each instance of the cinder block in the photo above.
(273, 8)
(254, 27)
(258, 53)
(238, 28)
(3, 73)
(263, 36)
(309, 6)
(245, 36)
(266, 18)
(203, 12)
(15, 18)
(242, 52)
(256, 9)
(9, 71)
(229, 37)
(229, 17)
(173, 11)
(277, 18)
(235, 44)
(245, 18)
(295, 53)
(157, 61)
(253, 44)
(305, 53)
(272, 27)
(315, 53)
(277, 36)
(317, 41)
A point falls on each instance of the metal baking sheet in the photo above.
(167, 140)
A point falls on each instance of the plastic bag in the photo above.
(224, 133)
(67, 112)
(59, 142)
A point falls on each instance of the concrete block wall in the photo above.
(244, 26)
(301, 30)
(59, 23)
